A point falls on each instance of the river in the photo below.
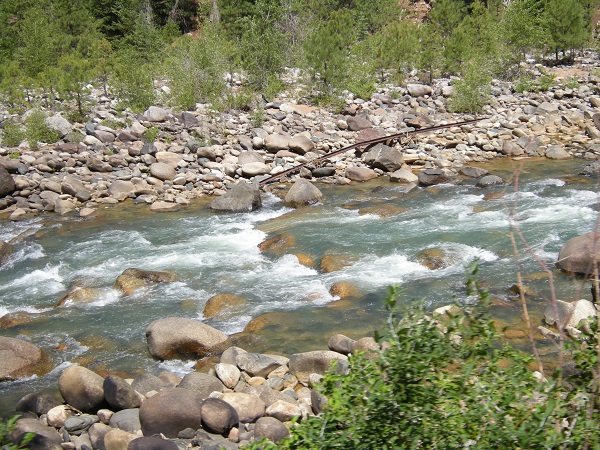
(377, 227)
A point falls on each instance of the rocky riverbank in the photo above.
(167, 158)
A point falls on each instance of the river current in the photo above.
(376, 226)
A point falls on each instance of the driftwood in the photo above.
(367, 143)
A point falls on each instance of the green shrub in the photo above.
(472, 90)
(12, 134)
(6, 428)
(37, 130)
(449, 383)
(151, 134)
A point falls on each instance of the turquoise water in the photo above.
(214, 253)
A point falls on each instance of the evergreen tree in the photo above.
(565, 25)
(522, 26)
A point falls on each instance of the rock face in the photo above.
(82, 388)
(175, 337)
(243, 197)
(385, 158)
(19, 359)
(579, 254)
(302, 365)
(171, 411)
(132, 279)
(303, 193)
(7, 183)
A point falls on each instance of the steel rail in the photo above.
(366, 143)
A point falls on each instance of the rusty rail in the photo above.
(365, 144)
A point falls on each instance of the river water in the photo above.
(377, 227)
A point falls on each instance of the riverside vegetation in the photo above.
(443, 382)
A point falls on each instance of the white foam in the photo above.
(47, 280)
(177, 366)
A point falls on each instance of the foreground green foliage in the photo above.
(448, 382)
(6, 428)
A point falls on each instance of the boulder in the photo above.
(201, 383)
(97, 432)
(152, 443)
(341, 344)
(579, 254)
(276, 142)
(360, 173)
(117, 439)
(345, 289)
(133, 279)
(418, 90)
(96, 165)
(253, 169)
(489, 180)
(321, 172)
(176, 337)
(147, 382)
(301, 144)
(17, 318)
(119, 394)
(357, 123)
(126, 420)
(229, 374)
(302, 193)
(430, 177)
(121, 189)
(271, 429)
(257, 364)
(473, 172)
(319, 362)
(510, 148)
(7, 183)
(171, 411)
(77, 424)
(278, 244)
(57, 416)
(432, 258)
(570, 314)
(243, 197)
(384, 157)
(106, 137)
(37, 403)
(60, 124)
(21, 359)
(283, 411)
(404, 176)
(163, 171)
(82, 388)
(222, 305)
(156, 114)
(218, 416)
(73, 186)
(78, 294)
(249, 407)
(557, 152)
(48, 434)
(250, 156)
(63, 206)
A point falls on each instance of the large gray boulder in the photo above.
(121, 189)
(171, 411)
(218, 416)
(126, 420)
(249, 407)
(7, 183)
(384, 157)
(59, 123)
(430, 177)
(418, 90)
(202, 383)
(37, 403)
(276, 142)
(243, 197)
(360, 173)
(557, 152)
(119, 394)
(73, 186)
(152, 443)
(46, 437)
(270, 428)
(257, 364)
(301, 144)
(570, 314)
(580, 254)
(319, 362)
(21, 359)
(303, 193)
(357, 123)
(156, 114)
(176, 337)
(163, 171)
(82, 388)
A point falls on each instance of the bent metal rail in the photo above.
(365, 144)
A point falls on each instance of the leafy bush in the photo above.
(472, 90)
(151, 134)
(37, 130)
(12, 134)
(449, 383)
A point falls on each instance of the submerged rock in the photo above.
(303, 193)
(132, 279)
(21, 359)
